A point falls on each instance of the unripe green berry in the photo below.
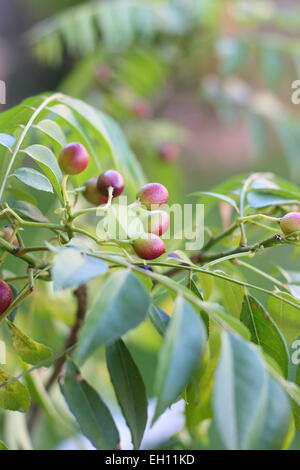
(6, 296)
(7, 234)
(113, 179)
(92, 194)
(290, 223)
(153, 194)
(157, 222)
(73, 159)
(149, 246)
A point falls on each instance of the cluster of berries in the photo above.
(74, 159)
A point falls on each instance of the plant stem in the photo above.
(20, 140)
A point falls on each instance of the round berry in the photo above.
(73, 159)
(6, 296)
(290, 223)
(142, 109)
(7, 234)
(153, 194)
(158, 222)
(92, 194)
(110, 178)
(149, 246)
(168, 151)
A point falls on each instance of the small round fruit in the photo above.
(141, 109)
(6, 296)
(73, 159)
(168, 151)
(153, 194)
(158, 222)
(290, 223)
(92, 194)
(110, 178)
(149, 246)
(7, 234)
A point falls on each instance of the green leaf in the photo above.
(48, 162)
(240, 394)
(180, 354)
(159, 318)
(129, 387)
(15, 396)
(34, 179)
(287, 317)
(221, 197)
(277, 419)
(91, 413)
(18, 194)
(7, 140)
(53, 130)
(3, 446)
(232, 296)
(29, 350)
(73, 268)
(258, 200)
(29, 211)
(121, 305)
(265, 332)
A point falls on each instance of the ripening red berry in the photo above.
(92, 194)
(290, 223)
(110, 178)
(73, 159)
(149, 246)
(153, 194)
(141, 109)
(158, 222)
(168, 151)
(6, 296)
(7, 234)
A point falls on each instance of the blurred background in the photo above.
(201, 88)
(204, 85)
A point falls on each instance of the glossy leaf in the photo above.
(232, 296)
(73, 268)
(240, 382)
(121, 305)
(34, 179)
(159, 318)
(180, 354)
(91, 413)
(129, 388)
(53, 130)
(287, 317)
(277, 419)
(48, 162)
(7, 140)
(265, 332)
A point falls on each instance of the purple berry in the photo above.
(110, 178)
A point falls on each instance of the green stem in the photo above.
(98, 208)
(243, 195)
(249, 218)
